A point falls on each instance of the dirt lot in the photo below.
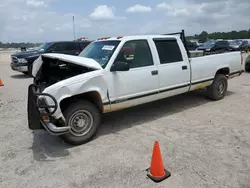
(204, 143)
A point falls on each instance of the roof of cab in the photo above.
(138, 37)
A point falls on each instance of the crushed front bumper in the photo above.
(19, 67)
(40, 113)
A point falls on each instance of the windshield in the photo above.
(100, 51)
(43, 47)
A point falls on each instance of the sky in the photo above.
(50, 20)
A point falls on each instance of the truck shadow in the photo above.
(116, 121)
(48, 148)
(20, 76)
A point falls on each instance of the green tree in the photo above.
(203, 36)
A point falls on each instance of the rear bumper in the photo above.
(40, 113)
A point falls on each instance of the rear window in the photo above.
(168, 50)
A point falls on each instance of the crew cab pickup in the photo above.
(70, 93)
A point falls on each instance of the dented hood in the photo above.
(83, 61)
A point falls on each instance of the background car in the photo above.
(236, 44)
(218, 46)
(22, 61)
(245, 46)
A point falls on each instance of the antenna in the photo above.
(74, 31)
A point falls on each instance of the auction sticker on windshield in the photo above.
(108, 47)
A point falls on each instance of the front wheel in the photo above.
(218, 89)
(84, 119)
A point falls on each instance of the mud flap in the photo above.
(33, 112)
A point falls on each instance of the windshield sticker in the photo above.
(108, 47)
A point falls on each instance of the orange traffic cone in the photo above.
(156, 172)
(1, 82)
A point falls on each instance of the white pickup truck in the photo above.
(70, 93)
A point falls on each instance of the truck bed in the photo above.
(205, 67)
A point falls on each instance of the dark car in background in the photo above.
(238, 45)
(245, 46)
(191, 45)
(22, 61)
(219, 46)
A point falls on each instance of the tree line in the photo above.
(204, 36)
(18, 45)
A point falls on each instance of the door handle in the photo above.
(154, 72)
(184, 67)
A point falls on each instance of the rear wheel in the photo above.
(247, 67)
(218, 89)
(84, 119)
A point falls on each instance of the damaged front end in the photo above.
(48, 71)
(40, 112)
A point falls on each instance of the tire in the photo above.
(247, 67)
(91, 119)
(218, 89)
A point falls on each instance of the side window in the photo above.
(136, 53)
(56, 47)
(70, 46)
(218, 44)
(168, 51)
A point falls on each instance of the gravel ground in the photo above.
(203, 143)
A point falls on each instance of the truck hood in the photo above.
(26, 54)
(82, 61)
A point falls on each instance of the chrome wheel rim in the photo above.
(80, 122)
(221, 87)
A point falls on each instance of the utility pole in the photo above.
(74, 28)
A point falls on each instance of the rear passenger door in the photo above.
(174, 71)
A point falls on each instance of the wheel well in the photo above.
(224, 71)
(92, 96)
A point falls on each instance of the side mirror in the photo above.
(120, 66)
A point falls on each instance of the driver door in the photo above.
(137, 85)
